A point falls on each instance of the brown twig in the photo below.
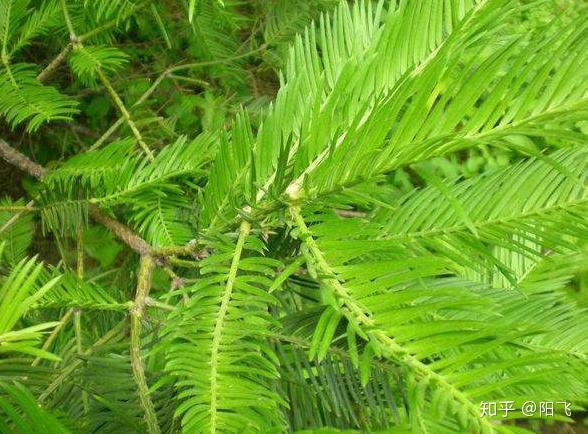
(21, 161)
(122, 232)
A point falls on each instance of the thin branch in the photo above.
(121, 231)
(80, 352)
(29, 207)
(80, 253)
(17, 208)
(126, 235)
(21, 161)
(182, 262)
(109, 132)
(146, 266)
(166, 74)
(55, 63)
(78, 312)
(121, 120)
(72, 34)
(217, 61)
(60, 58)
(126, 115)
(115, 98)
(189, 249)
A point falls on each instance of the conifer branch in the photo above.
(122, 232)
(392, 306)
(362, 319)
(12, 156)
(72, 33)
(168, 73)
(115, 98)
(58, 60)
(126, 115)
(220, 320)
(55, 63)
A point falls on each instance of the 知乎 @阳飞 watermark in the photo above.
(527, 408)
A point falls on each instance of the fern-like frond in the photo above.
(29, 22)
(405, 107)
(164, 218)
(73, 292)
(25, 99)
(456, 340)
(215, 26)
(77, 387)
(542, 285)
(305, 116)
(532, 192)
(109, 409)
(115, 171)
(331, 393)
(85, 61)
(100, 171)
(334, 90)
(305, 79)
(102, 10)
(540, 201)
(216, 343)
(284, 20)
(115, 175)
(462, 98)
(228, 175)
(20, 289)
(16, 230)
(63, 216)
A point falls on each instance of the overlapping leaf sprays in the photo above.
(316, 273)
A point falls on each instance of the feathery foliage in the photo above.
(267, 217)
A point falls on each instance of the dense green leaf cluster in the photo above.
(293, 216)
